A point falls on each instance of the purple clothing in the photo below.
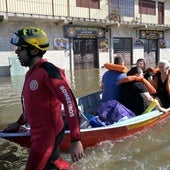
(111, 86)
(112, 111)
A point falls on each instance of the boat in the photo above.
(93, 136)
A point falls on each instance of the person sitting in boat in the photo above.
(137, 91)
(141, 63)
(110, 80)
(148, 73)
(44, 91)
(161, 82)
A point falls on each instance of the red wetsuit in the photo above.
(45, 89)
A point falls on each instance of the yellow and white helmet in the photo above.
(31, 36)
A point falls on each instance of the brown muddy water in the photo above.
(148, 150)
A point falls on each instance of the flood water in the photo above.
(149, 150)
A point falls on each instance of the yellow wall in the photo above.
(64, 8)
(58, 8)
(101, 13)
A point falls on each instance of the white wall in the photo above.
(137, 53)
(165, 54)
(103, 58)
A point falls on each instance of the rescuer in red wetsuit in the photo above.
(44, 91)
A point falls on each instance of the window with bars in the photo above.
(122, 44)
(125, 7)
(88, 3)
(147, 7)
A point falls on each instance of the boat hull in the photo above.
(96, 135)
(92, 136)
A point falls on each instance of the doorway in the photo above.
(151, 52)
(85, 53)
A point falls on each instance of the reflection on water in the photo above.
(148, 150)
(145, 151)
(10, 107)
(84, 81)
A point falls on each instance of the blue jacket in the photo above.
(111, 86)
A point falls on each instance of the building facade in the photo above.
(89, 33)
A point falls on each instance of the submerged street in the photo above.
(147, 150)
